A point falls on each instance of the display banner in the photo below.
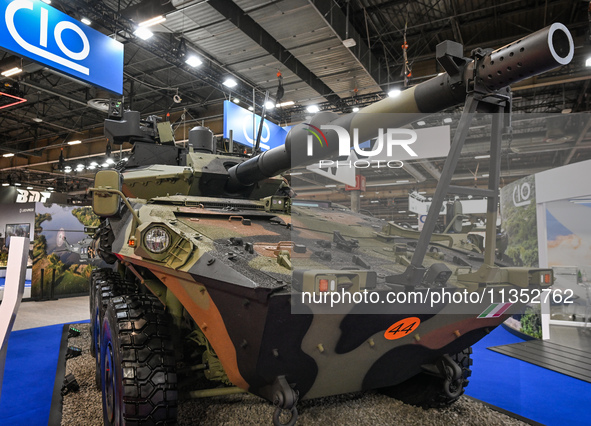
(35, 30)
(240, 121)
(518, 213)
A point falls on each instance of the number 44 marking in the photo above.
(402, 328)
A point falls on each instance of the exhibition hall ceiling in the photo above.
(337, 55)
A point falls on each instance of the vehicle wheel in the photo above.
(97, 278)
(108, 284)
(427, 391)
(139, 382)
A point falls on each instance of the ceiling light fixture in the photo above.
(313, 109)
(481, 157)
(152, 21)
(250, 108)
(236, 100)
(86, 21)
(37, 120)
(588, 62)
(74, 142)
(10, 154)
(355, 109)
(447, 120)
(394, 93)
(230, 82)
(269, 105)
(193, 61)
(287, 103)
(11, 71)
(143, 33)
(421, 123)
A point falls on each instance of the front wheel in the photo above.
(139, 383)
(428, 391)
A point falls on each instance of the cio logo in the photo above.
(315, 131)
(25, 196)
(521, 194)
(385, 137)
(18, 6)
(247, 125)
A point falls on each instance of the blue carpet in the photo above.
(528, 390)
(29, 376)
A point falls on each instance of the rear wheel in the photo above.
(139, 383)
(428, 391)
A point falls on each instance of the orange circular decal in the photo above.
(402, 328)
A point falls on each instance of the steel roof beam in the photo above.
(252, 29)
(337, 21)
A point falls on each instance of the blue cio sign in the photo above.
(32, 29)
(240, 121)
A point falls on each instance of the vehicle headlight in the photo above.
(157, 239)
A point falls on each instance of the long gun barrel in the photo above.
(486, 72)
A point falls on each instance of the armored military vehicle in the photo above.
(222, 283)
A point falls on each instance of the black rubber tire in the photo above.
(108, 284)
(425, 390)
(138, 369)
(96, 278)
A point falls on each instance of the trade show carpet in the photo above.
(562, 359)
(33, 375)
(528, 390)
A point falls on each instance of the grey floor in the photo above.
(39, 314)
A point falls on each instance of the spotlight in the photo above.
(447, 120)
(67, 169)
(230, 82)
(355, 109)
(143, 33)
(70, 385)
(236, 101)
(110, 161)
(193, 61)
(250, 108)
(421, 123)
(394, 93)
(313, 109)
(86, 21)
(269, 105)
(73, 332)
(73, 352)
(588, 62)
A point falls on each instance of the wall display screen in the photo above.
(17, 230)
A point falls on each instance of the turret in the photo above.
(199, 171)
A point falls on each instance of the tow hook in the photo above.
(453, 380)
(284, 398)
